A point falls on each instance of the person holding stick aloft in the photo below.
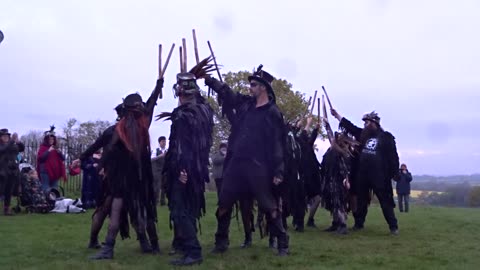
(127, 164)
(255, 158)
(377, 164)
(187, 161)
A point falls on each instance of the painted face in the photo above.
(256, 88)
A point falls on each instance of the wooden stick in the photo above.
(197, 58)
(215, 61)
(168, 60)
(181, 59)
(329, 103)
(318, 112)
(309, 102)
(159, 61)
(184, 43)
(328, 129)
(324, 108)
(314, 99)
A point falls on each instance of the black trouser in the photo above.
(184, 222)
(403, 199)
(7, 186)
(246, 210)
(218, 185)
(385, 198)
(245, 179)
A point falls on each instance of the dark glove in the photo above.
(210, 81)
(213, 83)
(159, 83)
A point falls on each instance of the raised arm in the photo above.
(152, 100)
(230, 100)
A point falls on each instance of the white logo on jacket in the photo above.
(371, 146)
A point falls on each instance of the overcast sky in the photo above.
(416, 62)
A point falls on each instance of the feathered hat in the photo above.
(263, 77)
(187, 81)
(372, 116)
(50, 132)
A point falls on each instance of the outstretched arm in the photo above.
(101, 141)
(229, 98)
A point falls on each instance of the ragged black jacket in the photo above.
(388, 150)
(235, 106)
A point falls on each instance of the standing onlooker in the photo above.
(162, 149)
(9, 173)
(91, 180)
(21, 147)
(50, 161)
(217, 166)
(403, 187)
(157, 167)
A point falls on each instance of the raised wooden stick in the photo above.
(197, 58)
(329, 103)
(328, 129)
(314, 99)
(160, 61)
(168, 60)
(318, 112)
(215, 61)
(184, 44)
(181, 59)
(309, 103)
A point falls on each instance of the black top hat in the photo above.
(132, 101)
(4, 131)
(186, 84)
(263, 77)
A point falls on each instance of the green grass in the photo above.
(430, 238)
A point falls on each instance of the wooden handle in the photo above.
(160, 61)
(197, 57)
(184, 44)
(168, 60)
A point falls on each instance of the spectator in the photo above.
(91, 179)
(162, 143)
(403, 188)
(50, 161)
(9, 172)
(157, 168)
(217, 166)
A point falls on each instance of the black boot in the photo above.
(248, 241)
(106, 252)
(342, 229)
(93, 244)
(311, 223)
(332, 228)
(144, 245)
(221, 236)
(272, 242)
(155, 246)
(277, 230)
(186, 260)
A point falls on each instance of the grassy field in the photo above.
(430, 238)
